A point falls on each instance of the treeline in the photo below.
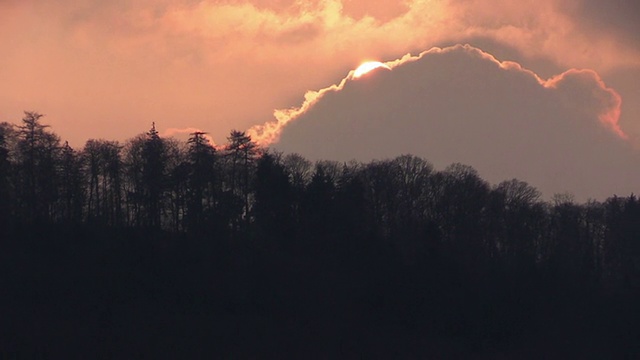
(350, 250)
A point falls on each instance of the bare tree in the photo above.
(72, 185)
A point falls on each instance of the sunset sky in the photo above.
(107, 69)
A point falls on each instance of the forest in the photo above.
(157, 247)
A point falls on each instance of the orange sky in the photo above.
(101, 69)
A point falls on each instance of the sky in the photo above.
(108, 69)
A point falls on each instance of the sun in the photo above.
(366, 67)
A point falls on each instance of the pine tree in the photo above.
(241, 154)
(38, 152)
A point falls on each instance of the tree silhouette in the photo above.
(414, 206)
(572, 257)
(37, 151)
(154, 164)
(104, 167)
(621, 246)
(273, 200)
(518, 215)
(6, 202)
(241, 154)
(72, 190)
(460, 207)
(380, 193)
(133, 185)
(319, 203)
(204, 182)
(300, 172)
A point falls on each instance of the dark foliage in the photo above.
(160, 249)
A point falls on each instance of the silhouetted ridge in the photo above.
(166, 248)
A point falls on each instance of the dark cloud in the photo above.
(461, 105)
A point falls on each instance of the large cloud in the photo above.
(460, 104)
(108, 68)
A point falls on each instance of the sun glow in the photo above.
(368, 66)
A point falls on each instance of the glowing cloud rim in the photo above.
(368, 66)
(269, 132)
